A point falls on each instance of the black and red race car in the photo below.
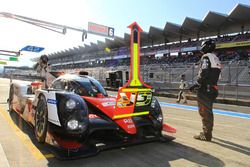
(77, 117)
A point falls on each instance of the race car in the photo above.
(76, 116)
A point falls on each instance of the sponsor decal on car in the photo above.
(105, 104)
(52, 101)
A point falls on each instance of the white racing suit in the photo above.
(182, 92)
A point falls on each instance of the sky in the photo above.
(14, 35)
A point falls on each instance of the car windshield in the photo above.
(91, 87)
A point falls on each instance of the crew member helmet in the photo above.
(44, 59)
(208, 46)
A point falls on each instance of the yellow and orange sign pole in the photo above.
(134, 97)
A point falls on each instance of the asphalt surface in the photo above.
(230, 145)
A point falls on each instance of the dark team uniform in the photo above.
(209, 72)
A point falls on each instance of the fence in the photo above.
(233, 83)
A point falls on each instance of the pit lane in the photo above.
(230, 146)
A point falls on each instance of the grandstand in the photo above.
(168, 52)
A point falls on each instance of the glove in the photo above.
(193, 88)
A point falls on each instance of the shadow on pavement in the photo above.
(146, 155)
(29, 131)
(232, 146)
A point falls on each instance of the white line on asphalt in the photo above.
(3, 159)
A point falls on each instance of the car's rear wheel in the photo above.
(11, 95)
(41, 120)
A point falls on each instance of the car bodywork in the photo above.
(76, 116)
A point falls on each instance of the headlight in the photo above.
(72, 124)
(156, 110)
(160, 118)
(72, 112)
(153, 103)
(71, 104)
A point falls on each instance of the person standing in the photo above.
(207, 88)
(42, 67)
(182, 92)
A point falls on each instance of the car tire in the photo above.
(41, 120)
(11, 94)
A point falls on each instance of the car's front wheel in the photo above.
(41, 120)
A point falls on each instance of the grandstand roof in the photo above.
(126, 39)
(213, 24)
(240, 13)
(157, 35)
(191, 26)
(145, 38)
